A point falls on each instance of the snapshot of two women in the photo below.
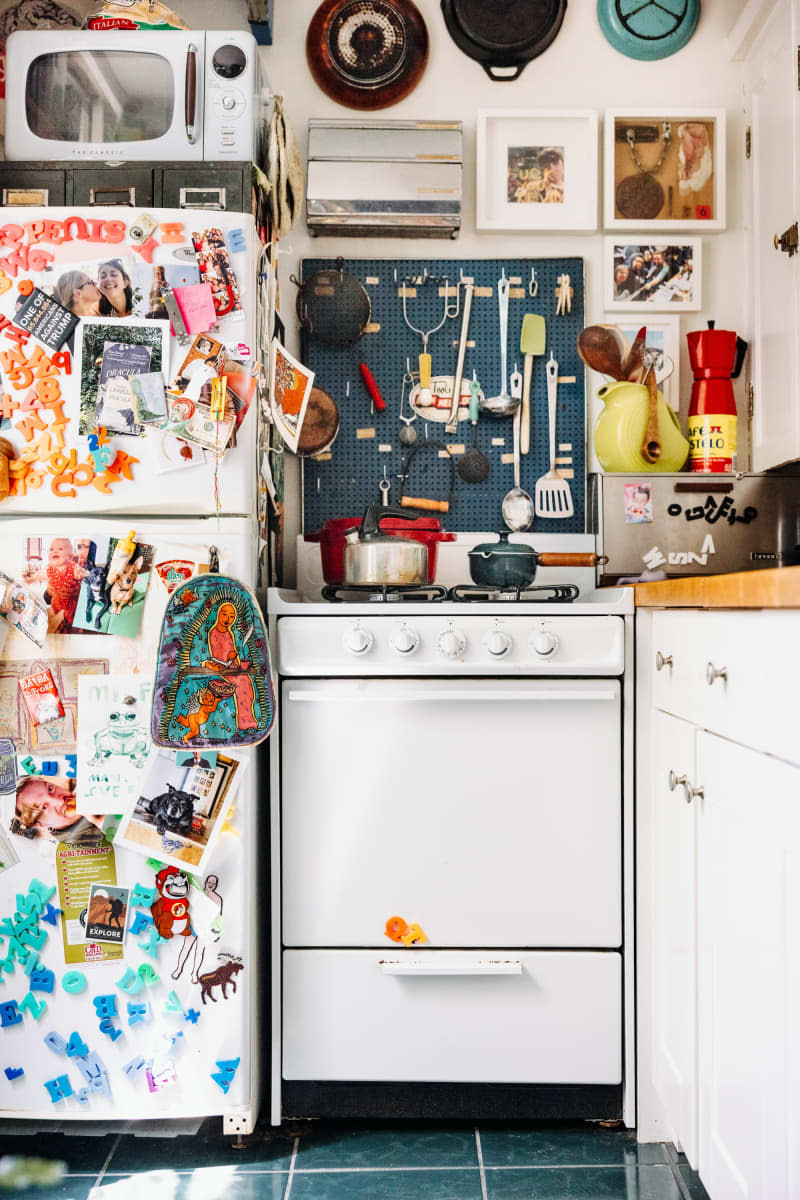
(109, 295)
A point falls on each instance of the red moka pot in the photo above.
(716, 356)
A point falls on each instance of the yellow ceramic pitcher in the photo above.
(619, 430)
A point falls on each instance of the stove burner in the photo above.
(556, 593)
(356, 593)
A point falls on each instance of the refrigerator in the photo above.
(151, 1013)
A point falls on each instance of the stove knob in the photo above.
(543, 643)
(404, 640)
(497, 643)
(451, 643)
(357, 640)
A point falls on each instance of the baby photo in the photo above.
(112, 592)
(180, 811)
(54, 570)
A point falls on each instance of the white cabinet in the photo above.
(748, 923)
(674, 930)
(718, 867)
(772, 86)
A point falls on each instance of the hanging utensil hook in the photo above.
(533, 286)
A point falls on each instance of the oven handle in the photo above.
(506, 966)
(190, 93)
(434, 697)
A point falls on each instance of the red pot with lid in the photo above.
(427, 530)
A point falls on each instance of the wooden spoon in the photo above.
(651, 443)
(600, 347)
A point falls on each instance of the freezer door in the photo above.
(160, 477)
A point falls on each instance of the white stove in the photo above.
(466, 767)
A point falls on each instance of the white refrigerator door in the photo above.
(220, 1030)
(153, 490)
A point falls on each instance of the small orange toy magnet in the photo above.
(25, 287)
(395, 928)
(413, 936)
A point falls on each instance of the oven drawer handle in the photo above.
(435, 697)
(504, 966)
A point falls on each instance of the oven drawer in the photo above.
(452, 1016)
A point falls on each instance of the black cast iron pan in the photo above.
(503, 35)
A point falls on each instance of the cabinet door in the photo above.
(674, 885)
(776, 416)
(748, 926)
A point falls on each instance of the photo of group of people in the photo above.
(536, 174)
(663, 276)
(99, 289)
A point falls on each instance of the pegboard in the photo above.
(343, 484)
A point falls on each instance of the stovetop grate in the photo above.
(341, 593)
(546, 593)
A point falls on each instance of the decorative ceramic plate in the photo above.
(648, 29)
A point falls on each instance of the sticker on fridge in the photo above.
(113, 741)
(638, 504)
(181, 810)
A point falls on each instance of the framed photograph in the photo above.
(656, 276)
(665, 168)
(536, 169)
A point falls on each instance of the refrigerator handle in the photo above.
(190, 93)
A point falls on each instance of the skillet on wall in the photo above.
(503, 35)
(648, 29)
(367, 53)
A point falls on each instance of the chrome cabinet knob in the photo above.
(663, 660)
(713, 673)
(689, 791)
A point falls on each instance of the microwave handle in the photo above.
(190, 94)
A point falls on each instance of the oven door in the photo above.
(488, 812)
(112, 96)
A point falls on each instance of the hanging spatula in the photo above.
(531, 341)
(552, 497)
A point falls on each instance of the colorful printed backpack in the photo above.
(213, 681)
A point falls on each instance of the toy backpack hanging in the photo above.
(213, 682)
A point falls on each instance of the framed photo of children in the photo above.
(536, 169)
(642, 275)
(665, 168)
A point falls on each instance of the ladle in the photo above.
(517, 507)
(504, 404)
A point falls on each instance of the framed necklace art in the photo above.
(665, 169)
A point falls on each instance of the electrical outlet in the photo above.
(240, 1123)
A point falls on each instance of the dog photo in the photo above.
(112, 592)
(181, 810)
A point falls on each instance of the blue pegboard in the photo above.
(344, 484)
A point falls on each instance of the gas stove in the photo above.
(344, 593)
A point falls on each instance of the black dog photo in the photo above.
(181, 809)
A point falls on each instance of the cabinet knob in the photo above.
(676, 781)
(787, 241)
(689, 791)
(713, 673)
(663, 660)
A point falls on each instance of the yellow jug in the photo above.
(619, 430)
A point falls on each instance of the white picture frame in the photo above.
(517, 183)
(685, 186)
(645, 290)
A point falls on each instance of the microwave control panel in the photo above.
(232, 96)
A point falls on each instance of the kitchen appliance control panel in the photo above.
(443, 645)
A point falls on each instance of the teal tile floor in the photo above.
(360, 1161)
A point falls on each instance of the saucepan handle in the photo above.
(571, 560)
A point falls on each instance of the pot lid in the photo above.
(504, 547)
(648, 30)
(367, 53)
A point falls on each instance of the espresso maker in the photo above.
(716, 357)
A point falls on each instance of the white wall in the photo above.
(580, 70)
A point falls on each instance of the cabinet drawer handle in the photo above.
(508, 966)
(676, 781)
(713, 673)
(121, 195)
(25, 196)
(663, 660)
(203, 197)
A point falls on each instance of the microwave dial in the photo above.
(229, 62)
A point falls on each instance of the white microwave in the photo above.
(173, 95)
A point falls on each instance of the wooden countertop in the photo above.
(774, 588)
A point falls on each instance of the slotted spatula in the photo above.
(552, 497)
